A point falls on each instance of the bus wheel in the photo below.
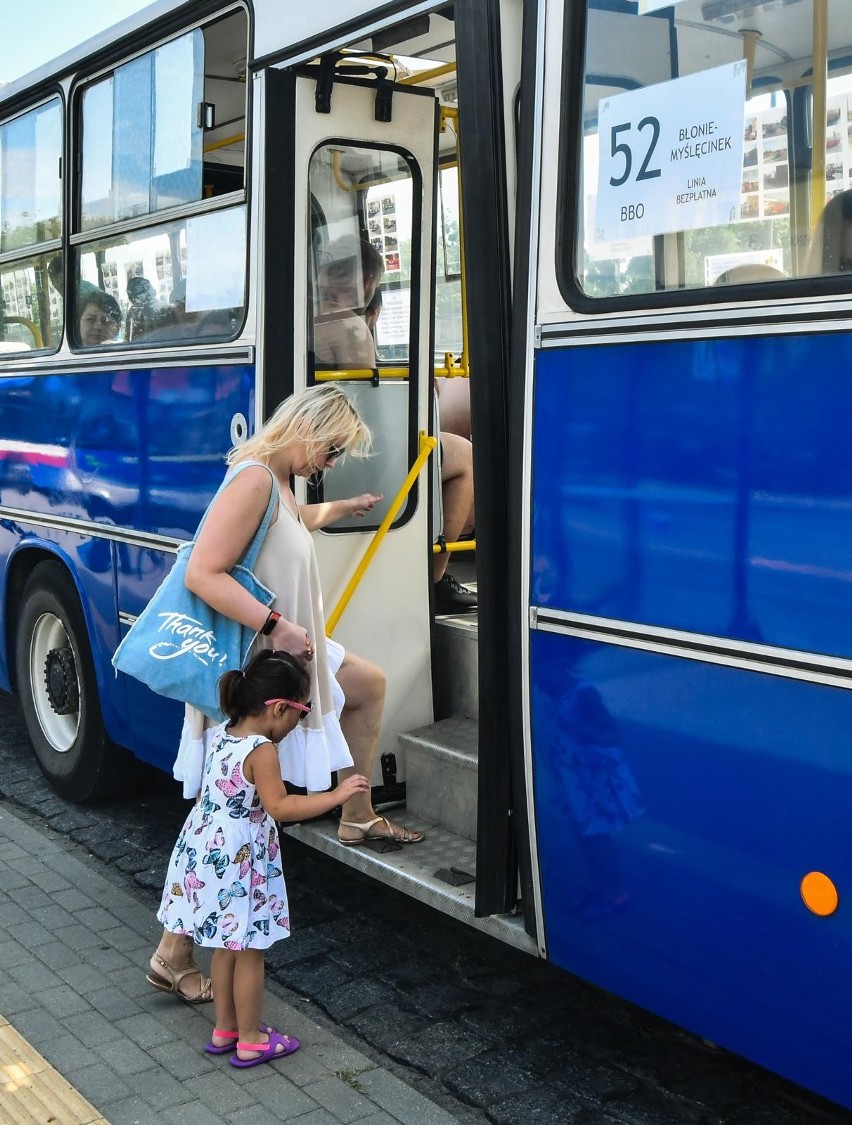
(58, 691)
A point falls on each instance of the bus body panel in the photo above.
(136, 451)
(699, 486)
(679, 805)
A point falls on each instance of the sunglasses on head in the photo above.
(305, 708)
(334, 451)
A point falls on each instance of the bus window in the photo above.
(359, 319)
(179, 282)
(701, 162)
(162, 131)
(448, 276)
(30, 208)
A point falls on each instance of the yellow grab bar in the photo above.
(427, 445)
(35, 331)
(452, 548)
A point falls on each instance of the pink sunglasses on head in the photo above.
(305, 708)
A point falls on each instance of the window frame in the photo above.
(52, 245)
(76, 237)
(569, 188)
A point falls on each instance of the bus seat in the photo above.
(749, 273)
(831, 248)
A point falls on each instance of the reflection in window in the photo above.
(142, 138)
(180, 282)
(30, 183)
(361, 258)
(448, 280)
(30, 304)
(764, 222)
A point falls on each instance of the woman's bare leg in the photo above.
(177, 951)
(364, 686)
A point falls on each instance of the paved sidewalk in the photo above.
(73, 947)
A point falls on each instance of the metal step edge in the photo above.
(452, 755)
(411, 869)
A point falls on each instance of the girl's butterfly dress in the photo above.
(222, 905)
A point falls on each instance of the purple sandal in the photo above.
(268, 1051)
(223, 1048)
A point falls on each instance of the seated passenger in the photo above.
(456, 459)
(100, 319)
(831, 248)
(185, 326)
(346, 283)
(146, 312)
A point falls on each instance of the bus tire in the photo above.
(58, 690)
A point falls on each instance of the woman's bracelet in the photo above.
(270, 623)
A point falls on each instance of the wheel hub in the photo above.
(60, 678)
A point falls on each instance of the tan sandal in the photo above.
(169, 980)
(395, 834)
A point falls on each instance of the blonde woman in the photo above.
(307, 434)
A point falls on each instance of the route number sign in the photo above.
(671, 155)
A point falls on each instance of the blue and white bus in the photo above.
(626, 226)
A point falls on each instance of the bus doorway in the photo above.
(363, 174)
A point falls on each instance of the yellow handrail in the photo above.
(452, 548)
(427, 445)
(35, 331)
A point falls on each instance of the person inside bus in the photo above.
(146, 312)
(831, 248)
(456, 458)
(100, 319)
(189, 325)
(347, 281)
(307, 434)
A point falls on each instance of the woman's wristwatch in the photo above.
(270, 623)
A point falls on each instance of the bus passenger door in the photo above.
(349, 235)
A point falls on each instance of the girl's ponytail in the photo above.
(269, 675)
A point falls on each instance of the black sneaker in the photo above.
(452, 597)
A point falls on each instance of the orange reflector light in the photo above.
(819, 894)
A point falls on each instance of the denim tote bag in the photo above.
(179, 645)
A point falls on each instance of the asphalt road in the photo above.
(491, 1033)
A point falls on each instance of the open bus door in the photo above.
(349, 187)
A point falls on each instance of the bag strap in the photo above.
(253, 549)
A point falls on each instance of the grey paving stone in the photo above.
(355, 996)
(113, 1004)
(145, 1030)
(91, 1028)
(30, 897)
(13, 916)
(283, 1097)
(67, 1053)
(56, 955)
(124, 1056)
(106, 958)
(12, 880)
(321, 1117)
(96, 918)
(34, 975)
(341, 1095)
(38, 1025)
(382, 1118)
(14, 999)
(100, 1084)
(76, 936)
(132, 1111)
(254, 1114)
(190, 1113)
(13, 953)
(49, 881)
(71, 899)
(81, 977)
(159, 1088)
(387, 1025)
(486, 1079)
(182, 1061)
(64, 1001)
(31, 933)
(541, 1107)
(406, 1104)
(440, 1047)
(220, 1093)
(132, 981)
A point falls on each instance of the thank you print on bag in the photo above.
(177, 623)
(188, 637)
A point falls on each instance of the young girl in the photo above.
(224, 886)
